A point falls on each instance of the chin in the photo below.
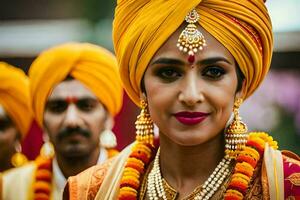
(187, 140)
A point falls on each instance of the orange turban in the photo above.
(93, 66)
(14, 96)
(242, 26)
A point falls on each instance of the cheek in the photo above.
(158, 97)
(52, 122)
(96, 121)
(8, 137)
(222, 100)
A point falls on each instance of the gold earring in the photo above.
(236, 133)
(144, 125)
(18, 159)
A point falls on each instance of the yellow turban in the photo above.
(242, 26)
(14, 96)
(93, 66)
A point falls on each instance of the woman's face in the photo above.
(191, 103)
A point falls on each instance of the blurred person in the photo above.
(189, 65)
(15, 115)
(76, 92)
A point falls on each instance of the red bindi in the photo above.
(191, 58)
(71, 99)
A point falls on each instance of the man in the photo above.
(75, 92)
(14, 124)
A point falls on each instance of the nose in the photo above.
(191, 90)
(72, 117)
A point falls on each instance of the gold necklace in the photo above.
(155, 189)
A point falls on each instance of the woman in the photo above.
(15, 115)
(188, 65)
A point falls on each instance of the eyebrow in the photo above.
(212, 60)
(168, 61)
(172, 61)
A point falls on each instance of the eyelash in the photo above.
(215, 72)
(173, 73)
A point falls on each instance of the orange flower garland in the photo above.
(246, 163)
(43, 178)
(137, 162)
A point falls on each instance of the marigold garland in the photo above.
(135, 166)
(246, 163)
(43, 178)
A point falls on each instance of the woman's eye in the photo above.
(214, 72)
(168, 73)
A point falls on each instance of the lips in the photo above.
(190, 118)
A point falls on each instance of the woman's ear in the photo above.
(143, 96)
(242, 92)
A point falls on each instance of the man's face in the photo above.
(74, 119)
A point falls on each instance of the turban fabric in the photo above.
(242, 26)
(95, 67)
(14, 96)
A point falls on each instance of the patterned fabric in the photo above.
(291, 165)
(86, 184)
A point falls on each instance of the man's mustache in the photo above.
(71, 131)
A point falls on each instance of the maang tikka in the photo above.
(191, 39)
(236, 133)
(144, 125)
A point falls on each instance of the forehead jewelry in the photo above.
(191, 39)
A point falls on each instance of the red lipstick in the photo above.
(190, 118)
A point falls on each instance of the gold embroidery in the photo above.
(97, 179)
(294, 178)
(291, 161)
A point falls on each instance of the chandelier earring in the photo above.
(236, 133)
(144, 125)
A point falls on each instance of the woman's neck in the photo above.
(186, 167)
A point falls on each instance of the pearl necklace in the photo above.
(155, 189)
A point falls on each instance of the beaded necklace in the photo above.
(156, 190)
